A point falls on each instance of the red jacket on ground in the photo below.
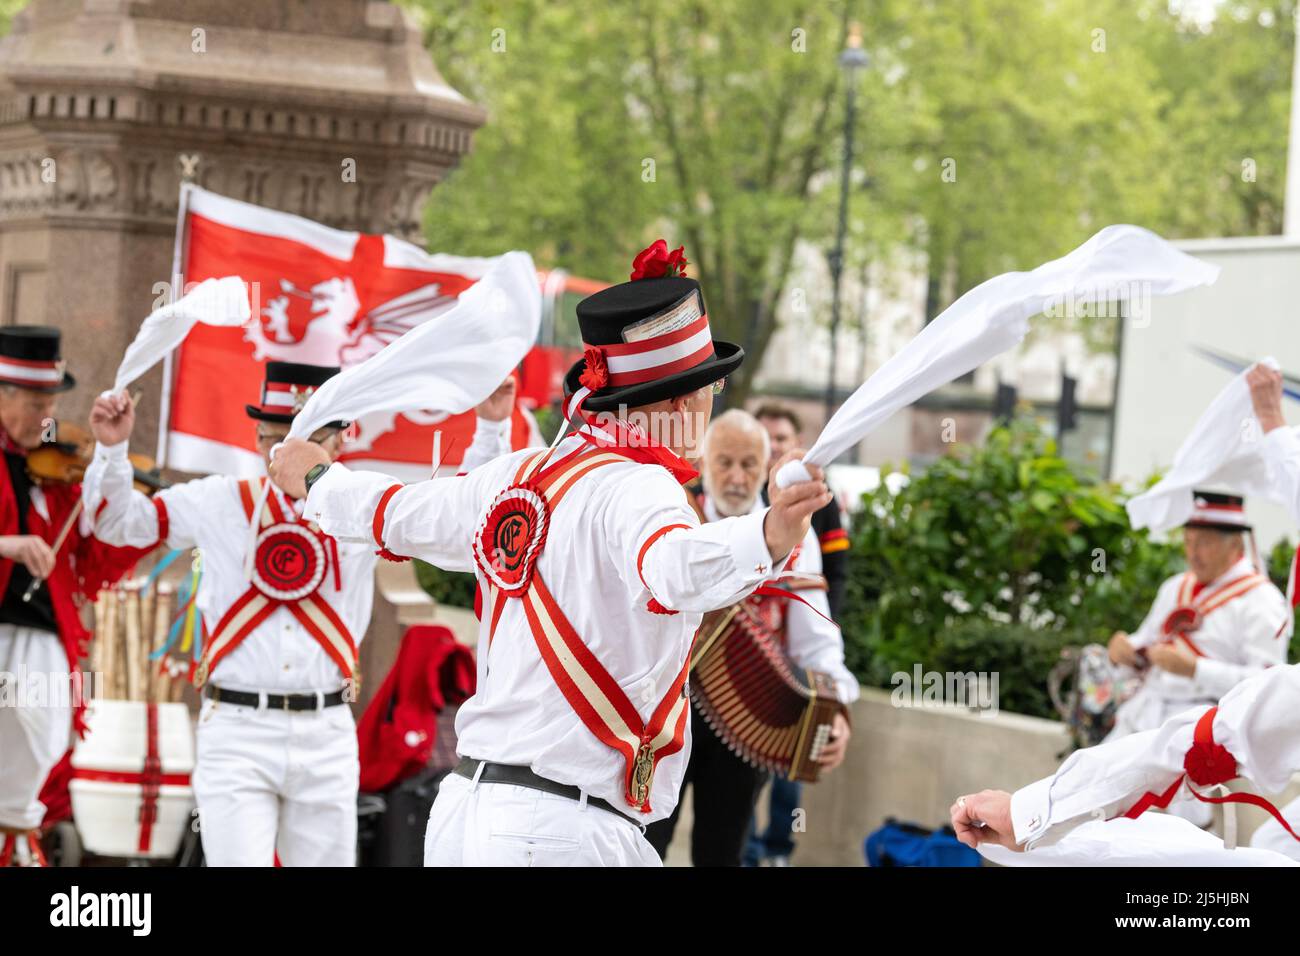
(396, 733)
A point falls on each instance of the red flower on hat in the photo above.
(655, 261)
(1208, 763)
(596, 375)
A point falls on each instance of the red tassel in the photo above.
(34, 847)
(654, 607)
(389, 556)
(334, 559)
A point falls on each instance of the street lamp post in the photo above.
(851, 59)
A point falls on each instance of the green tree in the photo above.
(8, 8)
(992, 135)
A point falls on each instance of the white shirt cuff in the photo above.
(336, 478)
(749, 548)
(111, 452)
(499, 430)
(1030, 810)
(1281, 444)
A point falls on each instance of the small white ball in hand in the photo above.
(792, 472)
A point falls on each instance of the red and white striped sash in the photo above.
(304, 548)
(595, 696)
(1190, 612)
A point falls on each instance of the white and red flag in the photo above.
(321, 296)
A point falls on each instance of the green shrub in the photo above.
(995, 556)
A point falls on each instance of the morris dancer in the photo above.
(594, 574)
(41, 634)
(277, 763)
(1209, 628)
(734, 459)
(1281, 448)
(1253, 732)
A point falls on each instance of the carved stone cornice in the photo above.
(110, 137)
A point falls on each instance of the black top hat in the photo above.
(287, 387)
(1220, 512)
(29, 358)
(647, 340)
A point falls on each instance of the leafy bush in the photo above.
(453, 588)
(995, 557)
(1278, 562)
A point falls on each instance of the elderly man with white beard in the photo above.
(734, 462)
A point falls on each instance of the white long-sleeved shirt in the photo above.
(594, 566)
(207, 513)
(1239, 639)
(1258, 721)
(1281, 448)
(493, 439)
(811, 640)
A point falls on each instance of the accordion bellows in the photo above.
(770, 712)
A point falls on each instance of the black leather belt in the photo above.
(275, 701)
(524, 777)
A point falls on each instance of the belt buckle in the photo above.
(284, 703)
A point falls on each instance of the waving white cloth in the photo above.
(1115, 264)
(212, 302)
(450, 363)
(1221, 453)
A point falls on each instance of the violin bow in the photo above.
(63, 532)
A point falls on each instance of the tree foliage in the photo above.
(991, 134)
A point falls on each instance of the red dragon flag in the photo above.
(318, 295)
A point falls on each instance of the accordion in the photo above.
(770, 712)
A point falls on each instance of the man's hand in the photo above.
(832, 754)
(1122, 651)
(498, 406)
(112, 418)
(30, 551)
(792, 508)
(1266, 395)
(291, 462)
(1174, 658)
(985, 817)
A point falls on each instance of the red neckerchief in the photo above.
(617, 436)
(9, 446)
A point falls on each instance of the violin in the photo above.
(64, 460)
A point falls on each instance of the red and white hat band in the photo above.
(31, 372)
(1203, 511)
(286, 395)
(632, 363)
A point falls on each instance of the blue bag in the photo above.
(908, 844)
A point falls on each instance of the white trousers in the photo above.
(1271, 836)
(34, 730)
(275, 781)
(497, 824)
